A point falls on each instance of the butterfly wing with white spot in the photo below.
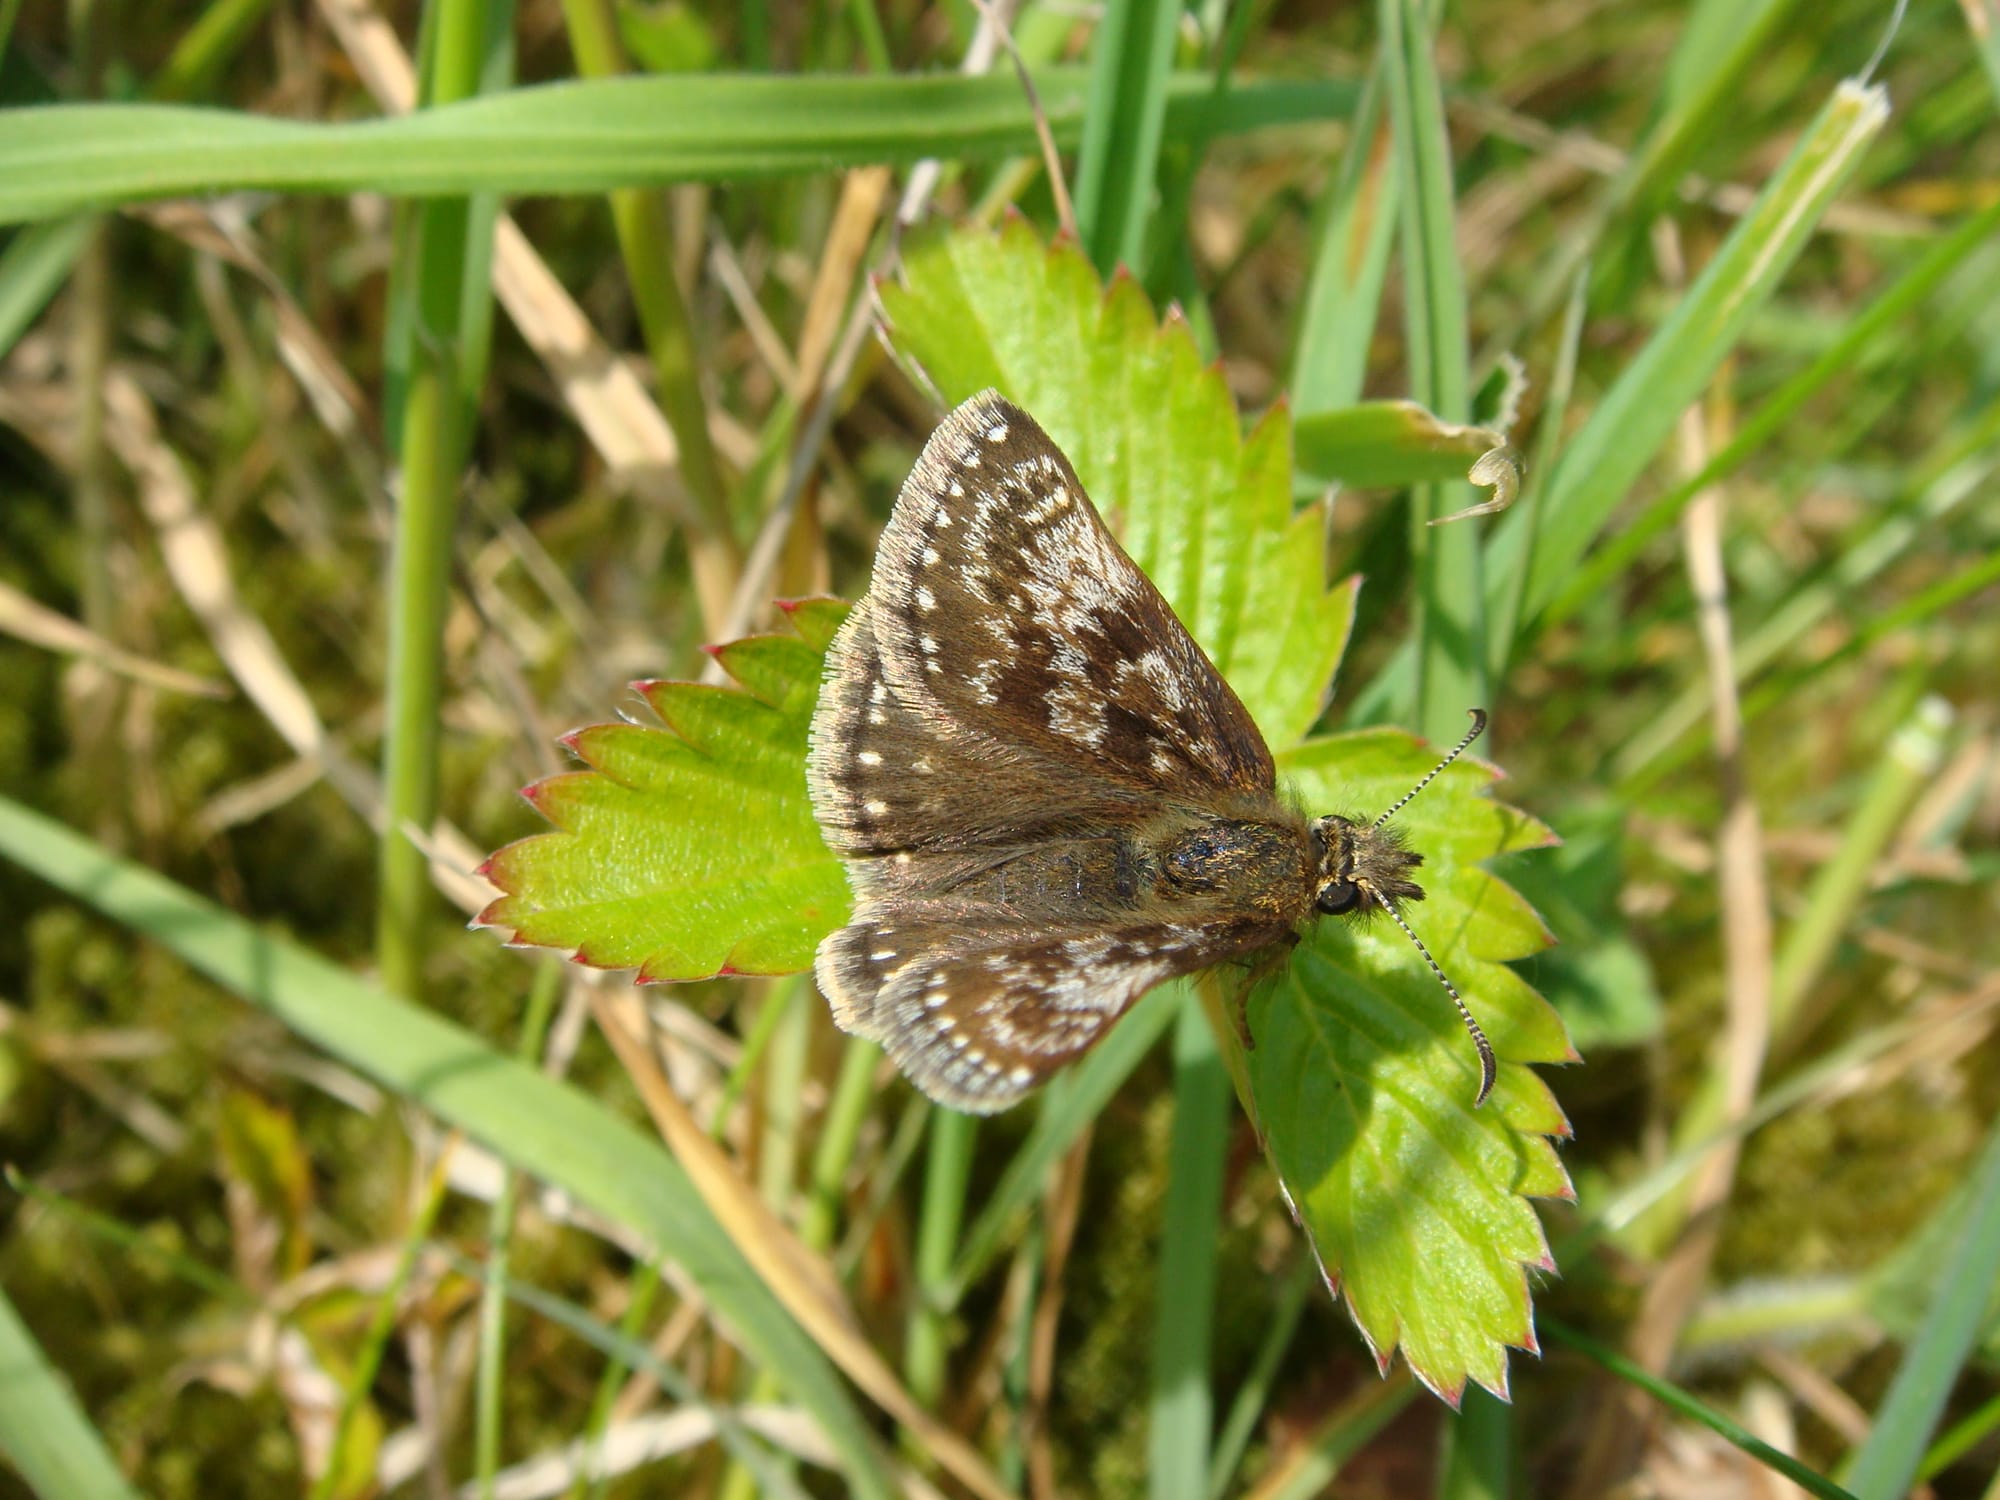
(1004, 607)
(887, 779)
(976, 1016)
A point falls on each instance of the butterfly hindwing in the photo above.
(978, 1014)
(1004, 605)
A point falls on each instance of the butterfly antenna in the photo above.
(1487, 1067)
(1478, 728)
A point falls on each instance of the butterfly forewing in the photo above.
(887, 777)
(1005, 606)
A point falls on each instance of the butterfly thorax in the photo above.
(1243, 866)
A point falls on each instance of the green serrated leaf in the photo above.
(689, 850)
(1364, 1079)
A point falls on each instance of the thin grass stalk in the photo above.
(839, 1134)
(947, 1169)
(1722, 42)
(1736, 1062)
(1254, 1394)
(382, 1325)
(1600, 464)
(1960, 1439)
(784, 1077)
(1916, 750)
(1679, 1401)
(490, 1371)
(206, 47)
(1182, 1414)
(89, 357)
(1450, 593)
(646, 244)
(1017, 1374)
(1899, 300)
(644, 1289)
(433, 432)
(1357, 225)
(628, 1352)
(1959, 473)
(763, 1028)
(1069, 1105)
(1349, 1428)
(1562, 384)
(1131, 54)
(1476, 1459)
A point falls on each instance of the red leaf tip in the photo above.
(711, 649)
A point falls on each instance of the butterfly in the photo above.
(1047, 798)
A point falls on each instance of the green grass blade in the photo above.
(1632, 422)
(1350, 1428)
(1959, 474)
(1858, 334)
(1254, 1394)
(1887, 1463)
(947, 1169)
(1680, 1402)
(1132, 56)
(1449, 619)
(544, 1127)
(1183, 1403)
(585, 137)
(1351, 261)
(1478, 1441)
(33, 267)
(44, 1434)
(440, 338)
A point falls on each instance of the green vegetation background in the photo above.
(205, 418)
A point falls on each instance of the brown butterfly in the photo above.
(1047, 798)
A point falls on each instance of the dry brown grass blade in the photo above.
(611, 404)
(802, 1281)
(35, 623)
(862, 195)
(215, 230)
(191, 546)
(1747, 943)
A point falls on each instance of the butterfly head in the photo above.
(1362, 868)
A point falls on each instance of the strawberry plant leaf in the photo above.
(687, 850)
(1364, 1079)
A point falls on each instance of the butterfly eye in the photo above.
(1338, 897)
